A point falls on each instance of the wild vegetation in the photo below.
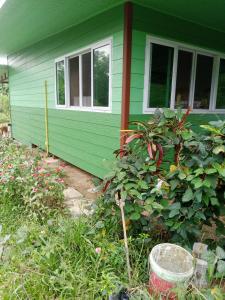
(45, 254)
(4, 104)
(24, 181)
(171, 179)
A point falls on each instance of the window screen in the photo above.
(101, 76)
(60, 82)
(161, 75)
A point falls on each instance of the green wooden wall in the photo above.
(148, 21)
(84, 139)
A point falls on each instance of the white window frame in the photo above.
(195, 50)
(56, 89)
(79, 52)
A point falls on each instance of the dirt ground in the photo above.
(81, 181)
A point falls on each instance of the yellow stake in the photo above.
(46, 118)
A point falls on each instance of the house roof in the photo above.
(25, 22)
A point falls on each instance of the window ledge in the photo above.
(88, 109)
(194, 111)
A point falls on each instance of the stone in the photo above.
(51, 162)
(200, 274)
(71, 193)
(76, 203)
(199, 249)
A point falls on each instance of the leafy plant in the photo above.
(24, 181)
(216, 263)
(171, 178)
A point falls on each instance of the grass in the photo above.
(57, 257)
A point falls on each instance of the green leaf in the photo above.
(129, 186)
(220, 253)
(199, 171)
(218, 149)
(197, 182)
(186, 135)
(135, 216)
(157, 206)
(182, 175)
(164, 202)
(200, 215)
(175, 206)
(210, 171)
(210, 128)
(207, 183)
(128, 207)
(174, 213)
(188, 195)
(190, 213)
(174, 184)
(123, 195)
(198, 195)
(152, 168)
(214, 201)
(143, 185)
(121, 175)
(221, 171)
(135, 193)
(168, 113)
(99, 225)
(221, 267)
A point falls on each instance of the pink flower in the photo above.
(98, 250)
(60, 180)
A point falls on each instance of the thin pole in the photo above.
(127, 46)
(46, 118)
(121, 204)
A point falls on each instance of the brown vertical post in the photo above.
(127, 45)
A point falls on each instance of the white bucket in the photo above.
(171, 263)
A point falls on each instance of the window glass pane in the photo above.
(160, 75)
(101, 76)
(74, 81)
(203, 81)
(60, 83)
(86, 79)
(220, 100)
(184, 67)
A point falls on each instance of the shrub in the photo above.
(175, 194)
(25, 182)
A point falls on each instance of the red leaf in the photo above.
(106, 186)
(183, 120)
(150, 151)
(132, 137)
(160, 158)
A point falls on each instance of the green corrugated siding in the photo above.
(84, 139)
(147, 21)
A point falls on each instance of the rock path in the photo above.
(80, 194)
(76, 203)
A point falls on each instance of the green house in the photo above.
(80, 70)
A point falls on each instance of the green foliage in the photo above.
(58, 258)
(216, 263)
(63, 258)
(25, 182)
(179, 194)
(4, 104)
